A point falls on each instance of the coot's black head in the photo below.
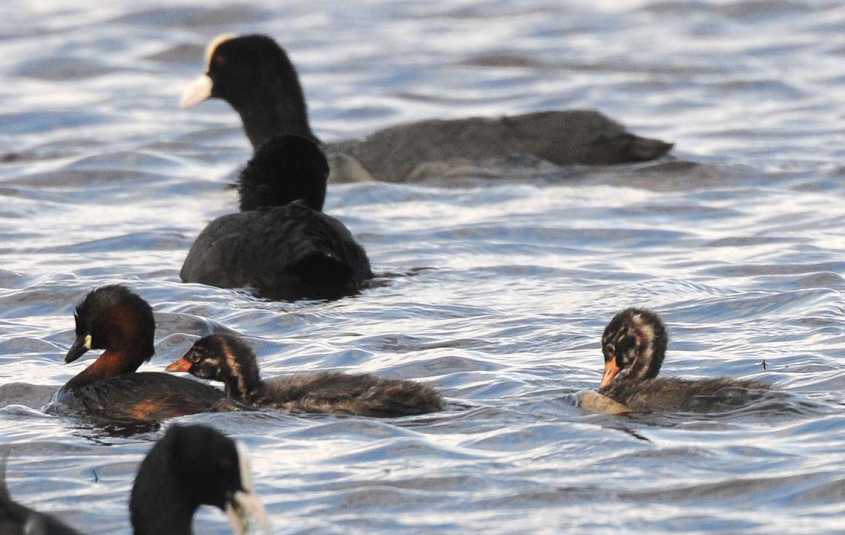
(634, 342)
(206, 463)
(192, 466)
(255, 76)
(285, 168)
(225, 358)
(113, 318)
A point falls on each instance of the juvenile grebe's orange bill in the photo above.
(181, 365)
(611, 370)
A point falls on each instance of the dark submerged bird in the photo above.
(230, 360)
(634, 345)
(280, 244)
(255, 76)
(17, 519)
(121, 322)
(189, 467)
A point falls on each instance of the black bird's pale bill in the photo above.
(197, 91)
(244, 505)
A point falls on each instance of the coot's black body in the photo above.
(286, 252)
(255, 76)
(280, 244)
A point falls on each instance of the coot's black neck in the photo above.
(159, 505)
(272, 114)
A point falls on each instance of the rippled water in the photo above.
(105, 180)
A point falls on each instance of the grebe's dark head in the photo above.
(116, 319)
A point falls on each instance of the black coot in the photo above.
(255, 76)
(280, 245)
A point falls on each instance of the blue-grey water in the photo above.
(105, 180)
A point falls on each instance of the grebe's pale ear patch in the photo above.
(88, 342)
(213, 44)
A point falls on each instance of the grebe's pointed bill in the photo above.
(197, 91)
(611, 370)
(244, 506)
(180, 365)
(80, 346)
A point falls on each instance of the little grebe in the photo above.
(634, 345)
(121, 322)
(280, 244)
(255, 76)
(230, 360)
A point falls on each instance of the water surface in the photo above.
(104, 180)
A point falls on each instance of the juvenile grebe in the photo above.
(634, 345)
(230, 360)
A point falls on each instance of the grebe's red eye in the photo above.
(219, 60)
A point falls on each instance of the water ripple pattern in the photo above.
(494, 290)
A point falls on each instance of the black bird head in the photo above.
(192, 466)
(255, 76)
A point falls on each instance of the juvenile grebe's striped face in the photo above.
(224, 358)
(202, 361)
(635, 341)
